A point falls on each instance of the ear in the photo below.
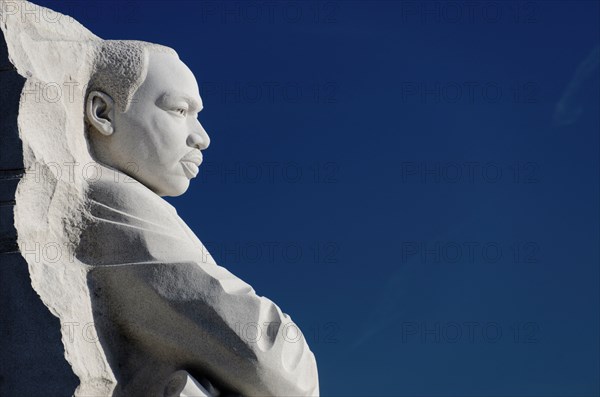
(99, 112)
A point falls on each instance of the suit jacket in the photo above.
(162, 304)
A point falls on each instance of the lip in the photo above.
(191, 162)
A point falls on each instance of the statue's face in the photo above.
(158, 139)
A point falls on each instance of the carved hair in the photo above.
(120, 67)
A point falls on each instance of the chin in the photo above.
(173, 188)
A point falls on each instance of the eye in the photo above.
(179, 111)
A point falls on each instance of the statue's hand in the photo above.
(182, 384)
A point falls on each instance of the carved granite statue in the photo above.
(169, 321)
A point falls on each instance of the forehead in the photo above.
(168, 75)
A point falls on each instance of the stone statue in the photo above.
(169, 321)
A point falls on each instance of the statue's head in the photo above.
(141, 110)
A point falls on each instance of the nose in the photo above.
(198, 138)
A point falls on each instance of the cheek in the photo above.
(169, 131)
(165, 140)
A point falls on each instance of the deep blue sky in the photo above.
(395, 175)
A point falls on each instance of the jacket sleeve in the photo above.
(200, 315)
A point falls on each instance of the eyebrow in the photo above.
(193, 103)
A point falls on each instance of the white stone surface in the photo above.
(138, 295)
(181, 384)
